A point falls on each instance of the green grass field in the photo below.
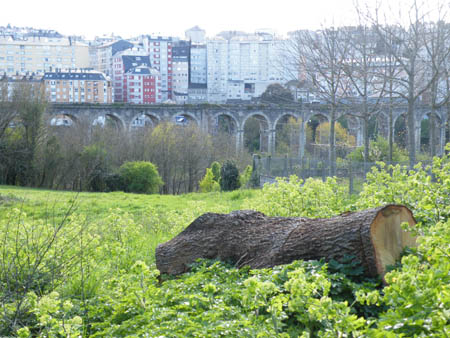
(39, 204)
(83, 265)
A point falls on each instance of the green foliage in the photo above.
(215, 167)
(93, 160)
(276, 93)
(36, 258)
(294, 198)
(215, 299)
(229, 177)
(208, 184)
(379, 151)
(244, 179)
(252, 137)
(418, 294)
(114, 182)
(427, 195)
(98, 278)
(140, 177)
(343, 138)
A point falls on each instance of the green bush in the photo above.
(294, 197)
(140, 177)
(379, 151)
(244, 179)
(114, 182)
(229, 177)
(215, 167)
(208, 184)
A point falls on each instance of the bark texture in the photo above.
(247, 237)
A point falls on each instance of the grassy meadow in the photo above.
(82, 265)
(41, 203)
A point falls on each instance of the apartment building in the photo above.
(159, 49)
(101, 55)
(198, 66)
(123, 62)
(41, 51)
(195, 35)
(180, 67)
(240, 66)
(83, 86)
(8, 84)
(142, 85)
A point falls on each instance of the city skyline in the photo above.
(99, 18)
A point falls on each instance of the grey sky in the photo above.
(173, 17)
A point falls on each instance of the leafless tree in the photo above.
(437, 46)
(407, 47)
(321, 56)
(365, 73)
(7, 111)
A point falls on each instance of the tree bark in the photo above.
(373, 236)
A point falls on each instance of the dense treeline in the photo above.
(87, 158)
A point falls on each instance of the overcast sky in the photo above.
(173, 17)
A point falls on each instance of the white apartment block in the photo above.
(241, 66)
(40, 54)
(180, 67)
(198, 64)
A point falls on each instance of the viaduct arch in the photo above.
(206, 116)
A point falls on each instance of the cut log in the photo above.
(245, 237)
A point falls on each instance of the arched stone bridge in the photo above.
(207, 117)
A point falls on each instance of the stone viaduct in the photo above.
(207, 117)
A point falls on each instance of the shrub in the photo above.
(244, 179)
(114, 182)
(229, 177)
(379, 151)
(294, 197)
(208, 184)
(140, 177)
(215, 167)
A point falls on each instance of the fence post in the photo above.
(323, 172)
(302, 166)
(268, 165)
(255, 179)
(350, 178)
(285, 169)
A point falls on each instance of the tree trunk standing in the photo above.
(366, 142)
(432, 131)
(448, 124)
(391, 121)
(411, 129)
(366, 137)
(373, 236)
(332, 153)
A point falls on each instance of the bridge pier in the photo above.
(418, 132)
(441, 145)
(239, 140)
(359, 137)
(271, 141)
(302, 139)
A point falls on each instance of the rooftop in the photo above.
(96, 76)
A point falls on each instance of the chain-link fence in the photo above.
(352, 173)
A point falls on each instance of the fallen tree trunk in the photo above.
(373, 236)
